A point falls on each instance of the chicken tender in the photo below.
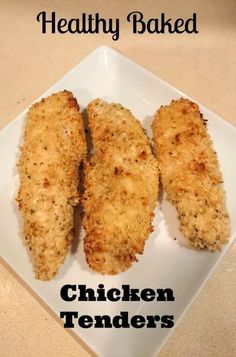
(190, 174)
(121, 187)
(52, 149)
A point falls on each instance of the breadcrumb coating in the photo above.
(190, 174)
(121, 187)
(52, 149)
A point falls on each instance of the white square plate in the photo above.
(165, 264)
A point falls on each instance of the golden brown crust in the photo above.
(190, 173)
(52, 149)
(121, 184)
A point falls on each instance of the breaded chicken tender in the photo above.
(121, 187)
(52, 149)
(190, 174)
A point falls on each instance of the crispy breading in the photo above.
(190, 173)
(121, 187)
(52, 149)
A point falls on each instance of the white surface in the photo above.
(110, 76)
